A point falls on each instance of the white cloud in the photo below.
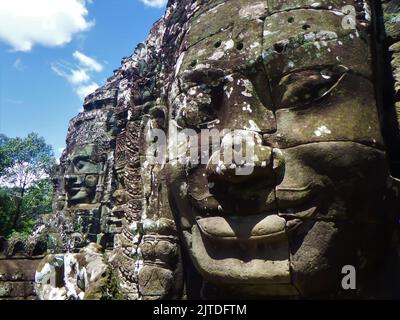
(15, 101)
(155, 3)
(88, 62)
(25, 23)
(85, 90)
(19, 65)
(79, 75)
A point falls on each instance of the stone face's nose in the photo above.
(70, 179)
(73, 180)
(243, 174)
(243, 158)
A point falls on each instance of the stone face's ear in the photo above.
(391, 15)
(160, 276)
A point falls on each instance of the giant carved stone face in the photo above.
(82, 175)
(302, 85)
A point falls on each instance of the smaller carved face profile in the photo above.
(82, 175)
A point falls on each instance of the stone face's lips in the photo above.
(223, 263)
(79, 195)
(257, 227)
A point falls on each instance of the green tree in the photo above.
(5, 159)
(7, 210)
(25, 177)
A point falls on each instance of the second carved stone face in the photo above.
(82, 176)
(316, 195)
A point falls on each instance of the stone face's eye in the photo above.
(197, 108)
(80, 165)
(299, 89)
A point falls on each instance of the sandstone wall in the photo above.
(18, 263)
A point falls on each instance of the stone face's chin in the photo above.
(247, 254)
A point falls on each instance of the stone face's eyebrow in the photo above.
(230, 50)
(227, 36)
(306, 38)
(311, 33)
(204, 76)
(284, 25)
(275, 6)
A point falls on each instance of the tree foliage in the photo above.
(26, 167)
(5, 159)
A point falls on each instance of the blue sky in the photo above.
(49, 58)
